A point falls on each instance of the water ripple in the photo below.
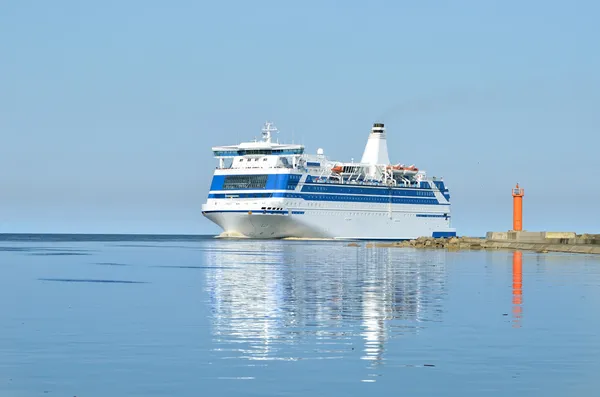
(58, 253)
(111, 264)
(191, 267)
(87, 280)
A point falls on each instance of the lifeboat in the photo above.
(400, 169)
(337, 169)
(395, 167)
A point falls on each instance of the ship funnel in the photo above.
(376, 152)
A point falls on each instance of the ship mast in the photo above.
(267, 130)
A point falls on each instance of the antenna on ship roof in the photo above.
(266, 131)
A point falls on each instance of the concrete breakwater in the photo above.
(534, 241)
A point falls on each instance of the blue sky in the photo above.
(108, 109)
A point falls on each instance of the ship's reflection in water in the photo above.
(277, 300)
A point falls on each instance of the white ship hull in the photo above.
(378, 221)
(370, 227)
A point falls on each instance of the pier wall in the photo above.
(544, 241)
(533, 241)
(545, 238)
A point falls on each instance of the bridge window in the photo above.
(233, 182)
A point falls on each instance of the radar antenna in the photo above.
(267, 130)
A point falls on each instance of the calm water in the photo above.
(118, 316)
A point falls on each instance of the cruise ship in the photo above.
(264, 189)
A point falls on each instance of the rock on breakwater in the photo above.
(430, 242)
(477, 243)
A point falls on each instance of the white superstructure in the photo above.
(263, 189)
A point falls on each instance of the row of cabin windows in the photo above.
(246, 152)
(344, 208)
(365, 199)
(369, 199)
(344, 213)
(338, 213)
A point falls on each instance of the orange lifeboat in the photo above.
(395, 167)
(337, 169)
(402, 168)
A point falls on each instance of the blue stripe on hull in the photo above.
(371, 190)
(290, 181)
(274, 181)
(297, 212)
(332, 198)
(361, 198)
(239, 195)
(254, 212)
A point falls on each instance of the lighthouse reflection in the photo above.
(277, 300)
(517, 287)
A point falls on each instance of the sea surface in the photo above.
(195, 316)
